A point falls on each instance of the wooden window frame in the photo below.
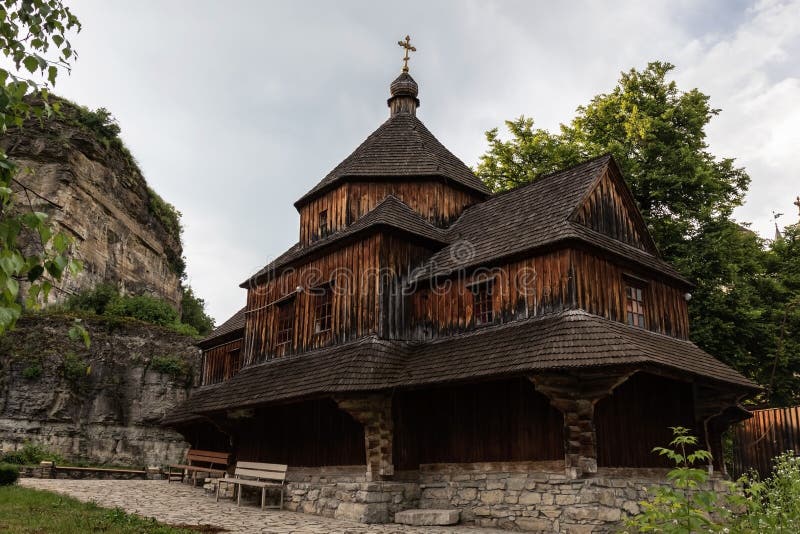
(323, 309)
(284, 325)
(483, 312)
(233, 363)
(322, 222)
(635, 304)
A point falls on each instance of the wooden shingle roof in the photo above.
(234, 324)
(529, 217)
(401, 147)
(363, 365)
(565, 341)
(389, 213)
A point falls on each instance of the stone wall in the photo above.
(79, 473)
(95, 193)
(538, 496)
(100, 405)
(518, 496)
(342, 492)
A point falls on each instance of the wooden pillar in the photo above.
(575, 396)
(715, 411)
(374, 411)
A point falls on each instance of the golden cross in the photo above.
(407, 45)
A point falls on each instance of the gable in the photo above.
(609, 208)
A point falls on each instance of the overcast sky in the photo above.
(234, 109)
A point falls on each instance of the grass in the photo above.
(24, 510)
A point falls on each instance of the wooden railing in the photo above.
(761, 438)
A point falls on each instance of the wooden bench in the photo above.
(257, 475)
(197, 461)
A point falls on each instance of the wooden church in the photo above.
(424, 333)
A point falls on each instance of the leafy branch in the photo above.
(34, 37)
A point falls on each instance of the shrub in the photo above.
(9, 474)
(773, 505)
(145, 308)
(185, 329)
(167, 215)
(105, 300)
(94, 300)
(32, 372)
(686, 506)
(76, 369)
(172, 366)
(193, 312)
(30, 454)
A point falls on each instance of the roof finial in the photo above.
(407, 45)
(797, 203)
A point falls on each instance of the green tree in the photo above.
(656, 133)
(33, 38)
(781, 288)
(193, 312)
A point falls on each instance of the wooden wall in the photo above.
(354, 269)
(221, 362)
(439, 203)
(637, 417)
(767, 434)
(600, 289)
(310, 434)
(399, 258)
(609, 211)
(201, 434)
(524, 288)
(548, 283)
(493, 421)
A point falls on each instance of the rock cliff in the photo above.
(76, 169)
(102, 404)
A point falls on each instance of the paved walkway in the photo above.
(180, 504)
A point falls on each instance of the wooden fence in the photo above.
(767, 434)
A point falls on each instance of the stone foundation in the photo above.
(340, 492)
(521, 496)
(539, 497)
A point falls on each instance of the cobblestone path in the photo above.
(180, 504)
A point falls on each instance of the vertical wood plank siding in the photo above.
(608, 212)
(354, 271)
(601, 291)
(550, 282)
(767, 434)
(439, 203)
(221, 362)
(493, 421)
(637, 417)
(308, 434)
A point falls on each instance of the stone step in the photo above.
(427, 517)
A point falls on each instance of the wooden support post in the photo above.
(715, 411)
(575, 395)
(374, 411)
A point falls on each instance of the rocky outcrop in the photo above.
(102, 404)
(93, 190)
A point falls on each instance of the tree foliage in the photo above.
(193, 312)
(33, 37)
(106, 300)
(656, 133)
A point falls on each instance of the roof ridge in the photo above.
(401, 147)
(538, 179)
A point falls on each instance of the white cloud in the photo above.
(754, 76)
(234, 110)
